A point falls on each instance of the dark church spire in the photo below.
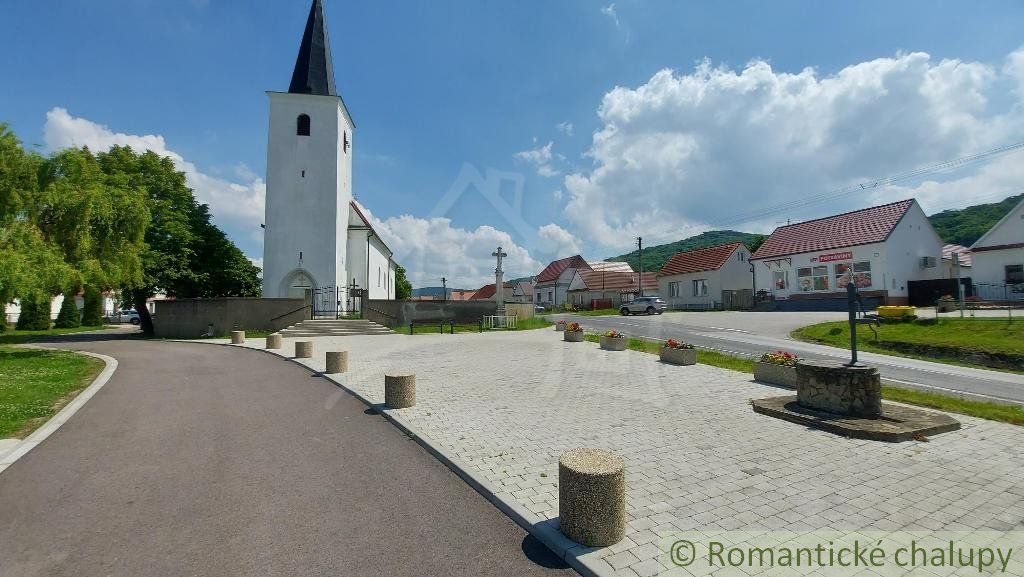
(314, 73)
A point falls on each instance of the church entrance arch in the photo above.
(298, 285)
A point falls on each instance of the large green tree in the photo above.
(403, 288)
(185, 254)
(30, 264)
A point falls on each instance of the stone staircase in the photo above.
(334, 328)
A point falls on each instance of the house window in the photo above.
(1014, 274)
(302, 128)
(700, 287)
(780, 279)
(859, 273)
(813, 278)
(673, 289)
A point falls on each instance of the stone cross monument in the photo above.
(499, 282)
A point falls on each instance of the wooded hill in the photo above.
(965, 226)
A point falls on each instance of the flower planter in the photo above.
(613, 343)
(573, 336)
(775, 374)
(678, 356)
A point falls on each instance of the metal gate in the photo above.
(327, 302)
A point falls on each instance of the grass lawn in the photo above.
(597, 313)
(35, 384)
(13, 337)
(525, 324)
(979, 409)
(989, 335)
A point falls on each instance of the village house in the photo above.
(806, 266)
(997, 259)
(608, 287)
(553, 282)
(522, 291)
(488, 292)
(708, 278)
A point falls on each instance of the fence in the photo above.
(499, 322)
(521, 310)
(999, 292)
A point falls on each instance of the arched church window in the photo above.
(303, 125)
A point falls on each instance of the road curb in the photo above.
(62, 416)
(544, 530)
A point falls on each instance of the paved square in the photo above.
(697, 457)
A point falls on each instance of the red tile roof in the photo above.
(859, 227)
(701, 259)
(602, 281)
(556, 268)
(965, 253)
(487, 292)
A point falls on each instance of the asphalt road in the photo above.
(205, 460)
(751, 334)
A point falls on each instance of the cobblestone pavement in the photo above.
(697, 457)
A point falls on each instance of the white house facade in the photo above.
(553, 282)
(316, 240)
(997, 259)
(696, 279)
(807, 265)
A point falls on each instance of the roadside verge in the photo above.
(11, 455)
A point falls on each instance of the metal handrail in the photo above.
(291, 312)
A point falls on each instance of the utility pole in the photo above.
(640, 259)
(444, 288)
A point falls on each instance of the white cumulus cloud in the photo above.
(555, 240)
(431, 248)
(541, 157)
(238, 207)
(685, 152)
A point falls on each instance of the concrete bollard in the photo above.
(337, 362)
(238, 337)
(592, 497)
(274, 341)
(304, 349)
(399, 391)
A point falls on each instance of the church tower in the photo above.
(309, 174)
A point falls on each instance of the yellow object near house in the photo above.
(896, 312)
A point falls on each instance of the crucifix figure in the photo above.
(499, 284)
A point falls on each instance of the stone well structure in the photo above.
(836, 388)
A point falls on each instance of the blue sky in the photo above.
(441, 88)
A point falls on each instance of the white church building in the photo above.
(318, 243)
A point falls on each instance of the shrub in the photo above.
(92, 311)
(69, 317)
(35, 313)
(783, 358)
(674, 344)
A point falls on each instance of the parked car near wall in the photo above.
(125, 316)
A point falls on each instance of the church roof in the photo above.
(366, 222)
(314, 72)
